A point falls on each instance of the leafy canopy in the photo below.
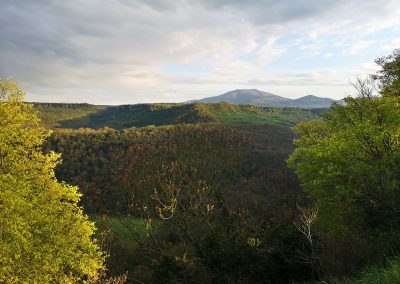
(44, 236)
(348, 162)
(388, 77)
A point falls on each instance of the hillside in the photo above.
(264, 99)
(126, 116)
(254, 115)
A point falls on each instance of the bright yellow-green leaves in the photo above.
(44, 235)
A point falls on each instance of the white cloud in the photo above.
(357, 47)
(313, 35)
(269, 51)
(391, 44)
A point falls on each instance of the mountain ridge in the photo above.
(265, 99)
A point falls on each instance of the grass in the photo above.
(390, 274)
(126, 229)
(253, 115)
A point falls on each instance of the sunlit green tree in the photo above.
(348, 162)
(44, 236)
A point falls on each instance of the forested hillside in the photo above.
(98, 160)
(203, 175)
(125, 116)
(182, 170)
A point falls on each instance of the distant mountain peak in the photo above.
(265, 99)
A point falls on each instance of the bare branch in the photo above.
(365, 88)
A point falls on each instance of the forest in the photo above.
(202, 193)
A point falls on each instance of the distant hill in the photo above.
(125, 116)
(313, 102)
(264, 99)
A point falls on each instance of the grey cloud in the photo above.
(276, 12)
(92, 45)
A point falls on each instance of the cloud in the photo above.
(357, 47)
(116, 51)
(391, 44)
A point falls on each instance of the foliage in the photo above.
(44, 237)
(388, 77)
(348, 164)
(204, 189)
(201, 238)
(116, 168)
(227, 249)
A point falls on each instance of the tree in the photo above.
(44, 236)
(304, 224)
(388, 78)
(348, 162)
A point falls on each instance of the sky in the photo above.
(133, 51)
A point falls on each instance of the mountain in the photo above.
(314, 102)
(248, 97)
(264, 99)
